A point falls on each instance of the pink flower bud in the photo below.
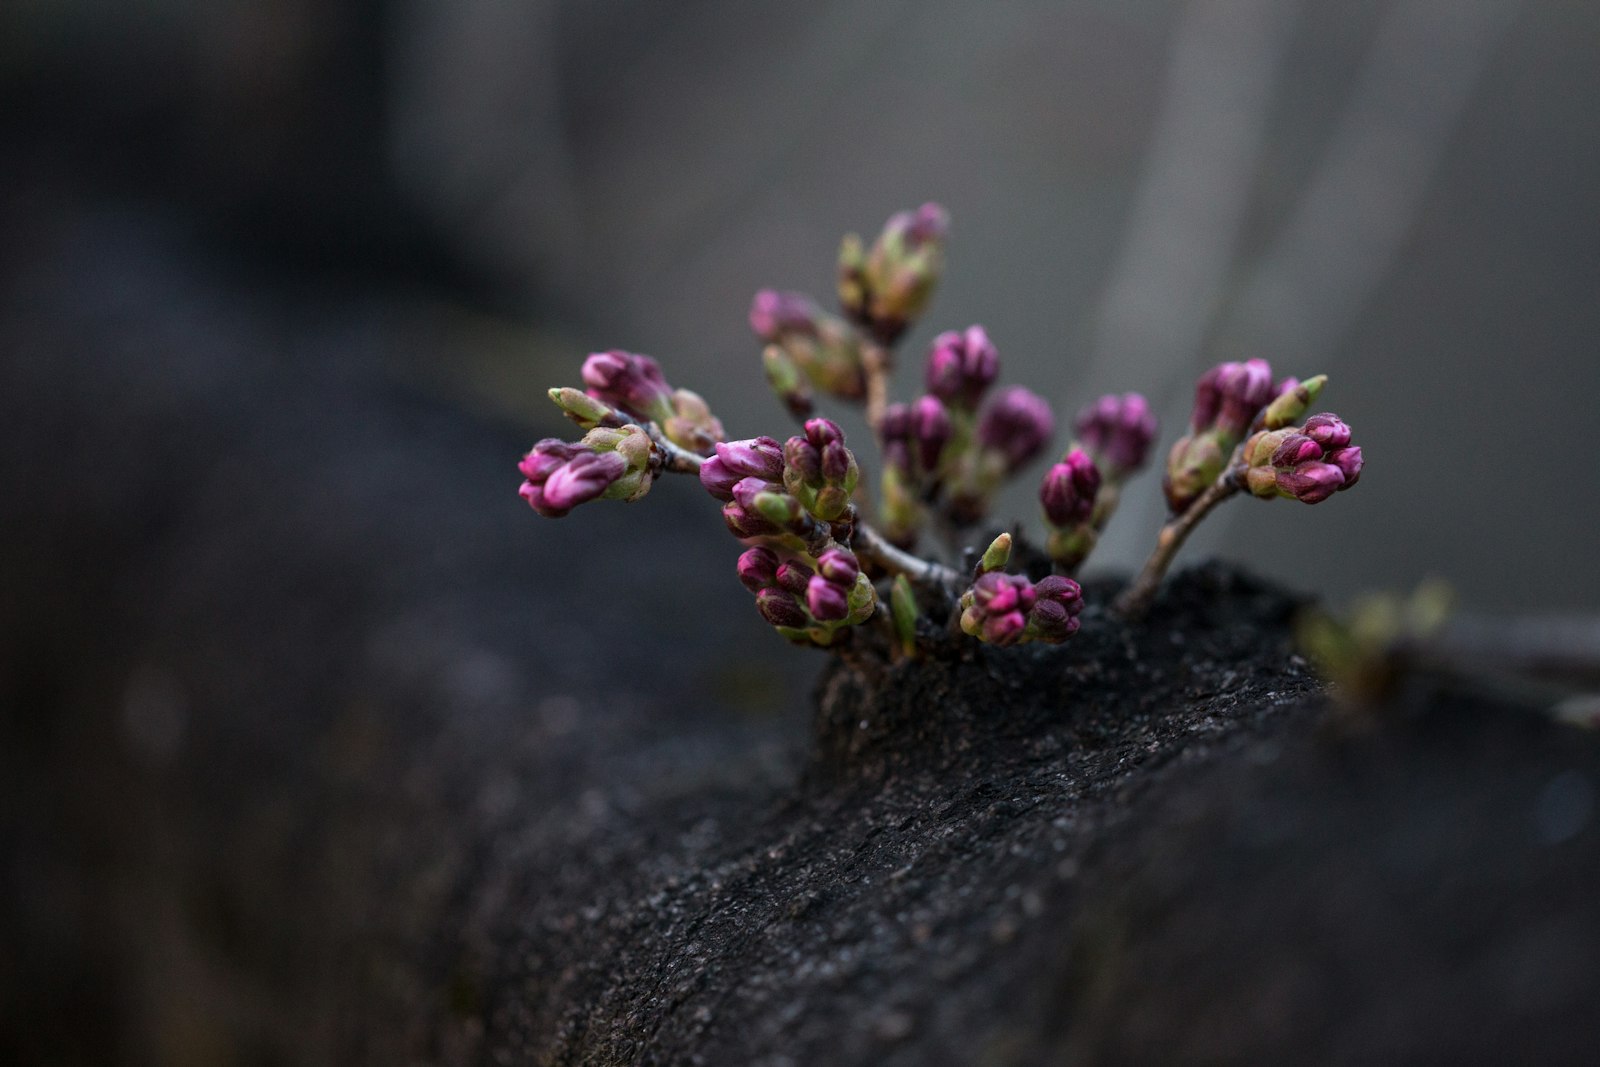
(1018, 424)
(827, 601)
(1328, 431)
(1295, 448)
(773, 314)
(633, 383)
(962, 366)
(758, 568)
(1119, 430)
(546, 456)
(1069, 489)
(1311, 483)
(759, 457)
(1244, 388)
(580, 479)
(839, 566)
(930, 426)
(1348, 460)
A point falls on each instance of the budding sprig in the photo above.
(817, 569)
(1242, 437)
(1007, 609)
(1081, 492)
(942, 453)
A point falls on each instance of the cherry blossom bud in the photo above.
(1243, 389)
(1298, 462)
(1348, 460)
(793, 576)
(839, 565)
(995, 609)
(1054, 617)
(1018, 424)
(633, 383)
(887, 286)
(773, 314)
(1328, 431)
(758, 568)
(781, 609)
(822, 346)
(826, 601)
(759, 457)
(819, 471)
(1118, 432)
(582, 478)
(1069, 488)
(931, 430)
(962, 366)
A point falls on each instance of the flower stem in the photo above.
(1134, 603)
(875, 366)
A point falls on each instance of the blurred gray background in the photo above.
(1401, 193)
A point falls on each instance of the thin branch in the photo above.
(1134, 603)
(869, 543)
(673, 459)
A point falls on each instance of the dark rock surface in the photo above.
(317, 749)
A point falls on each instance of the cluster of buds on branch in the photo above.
(819, 569)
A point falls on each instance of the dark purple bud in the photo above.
(582, 478)
(1005, 628)
(1069, 489)
(962, 366)
(1055, 613)
(822, 432)
(759, 457)
(931, 429)
(839, 566)
(1060, 590)
(1328, 431)
(758, 568)
(1119, 430)
(1348, 460)
(1018, 424)
(545, 457)
(781, 609)
(773, 314)
(1311, 483)
(819, 470)
(896, 424)
(803, 460)
(633, 383)
(1207, 401)
(827, 601)
(1244, 389)
(794, 577)
(835, 461)
(1295, 448)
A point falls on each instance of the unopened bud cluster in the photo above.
(817, 568)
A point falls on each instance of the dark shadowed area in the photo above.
(316, 746)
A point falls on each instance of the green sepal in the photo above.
(1289, 408)
(582, 408)
(863, 601)
(997, 555)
